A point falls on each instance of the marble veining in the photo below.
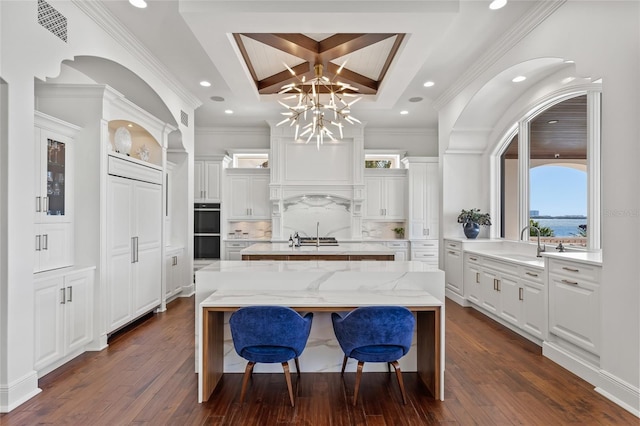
(342, 249)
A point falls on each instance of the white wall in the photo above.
(603, 38)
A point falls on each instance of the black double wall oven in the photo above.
(206, 232)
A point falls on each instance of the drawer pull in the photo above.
(569, 282)
(452, 252)
(473, 258)
(531, 274)
(570, 269)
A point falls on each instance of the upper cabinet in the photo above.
(206, 181)
(385, 194)
(53, 193)
(423, 197)
(248, 194)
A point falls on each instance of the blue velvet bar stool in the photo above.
(269, 334)
(375, 334)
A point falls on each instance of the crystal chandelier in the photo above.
(307, 113)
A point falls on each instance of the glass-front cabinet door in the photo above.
(56, 177)
(53, 192)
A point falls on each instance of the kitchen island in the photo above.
(321, 287)
(344, 251)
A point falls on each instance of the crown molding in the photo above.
(527, 23)
(112, 26)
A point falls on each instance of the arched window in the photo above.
(550, 173)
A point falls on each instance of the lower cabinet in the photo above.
(232, 249)
(174, 266)
(453, 267)
(401, 249)
(63, 316)
(425, 251)
(513, 293)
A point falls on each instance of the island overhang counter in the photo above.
(320, 287)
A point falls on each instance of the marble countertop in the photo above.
(351, 248)
(319, 266)
(320, 299)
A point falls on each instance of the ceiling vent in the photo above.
(184, 118)
(52, 20)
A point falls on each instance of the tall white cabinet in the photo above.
(134, 241)
(206, 180)
(385, 194)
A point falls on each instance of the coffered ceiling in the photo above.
(391, 48)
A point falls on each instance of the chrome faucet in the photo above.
(318, 234)
(540, 249)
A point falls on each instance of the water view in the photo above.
(563, 227)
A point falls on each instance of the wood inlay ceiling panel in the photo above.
(370, 56)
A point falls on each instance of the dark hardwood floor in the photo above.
(146, 376)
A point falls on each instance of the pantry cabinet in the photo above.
(206, 180)
(63, 316)
(248, 194)
(385, 194)
(423, 193)
(453, 265)
(134, 243)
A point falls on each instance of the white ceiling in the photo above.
(193, 39)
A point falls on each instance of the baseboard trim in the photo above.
(622, 393)
(460, 300)
(569, 361)
(188, 291)
(18, 392)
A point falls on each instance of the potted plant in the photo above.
(471, 220)
(399, 232)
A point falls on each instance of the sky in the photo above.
(558, 191)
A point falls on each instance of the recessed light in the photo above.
(552, 121)
(140, 4)
(228, 111)
(205, 83)
(497, 4)
(217, 98)
(415, 99)
(519, 78)
(429, 84)
(129, 125)
(404, 112)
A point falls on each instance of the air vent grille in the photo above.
(52, 20)
(184, 118)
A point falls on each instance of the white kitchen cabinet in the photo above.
(248, 194)
(425, 251)
(453, 267)
(53, 193)
(423, 215)
(206, 181)
(534, 306)
(471, 278)
(385, 195)
(174, 264)
(63, 316)
(574, 303)
(134, 245)
(232, 249)
(53, 245)
(401, 249)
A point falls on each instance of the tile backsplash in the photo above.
(250, 230)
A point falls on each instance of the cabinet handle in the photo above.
(570, 269)
(46, 204)
(133, 249)
(520, 294)
(205, 193)
(137, 258)
(477, 277)
(494, 283)
(452, 252)
(45, 242)
(531, 274)
(38, 246)
(175, 260)
(38, 204)
(70, 299)
(64, 296)
(473, 258)
(569, 282)
(498, 285)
